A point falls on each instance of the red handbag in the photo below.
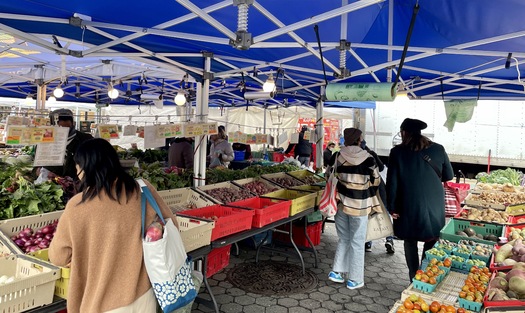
(455, 193)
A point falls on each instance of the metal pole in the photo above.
(319, 127)
(202, 117)
(265, 152)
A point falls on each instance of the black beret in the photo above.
(413, 125)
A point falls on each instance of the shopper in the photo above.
(389, 243)
(99, 236)
(302, 150)
(221, 152)
(358, 180)
(180, 153)
(417, 169)
(64, 118)
(327, 153)
(243, 147)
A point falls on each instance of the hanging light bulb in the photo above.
(51, 99)
(29, 99)
(180, 98)
(269, 84)
(113, 93)
(58, 92)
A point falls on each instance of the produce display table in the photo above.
(197, 255)
(255, 231)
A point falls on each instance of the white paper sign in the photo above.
(52, 154)
(313, 136)
(130, 130)
(295, 138)
(151, 140)
(283, 138)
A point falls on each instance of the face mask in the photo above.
(331, 149)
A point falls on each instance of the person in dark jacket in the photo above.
(64, 118)
(327, 153)
(302, 149)
(417, 169)
(180, 153)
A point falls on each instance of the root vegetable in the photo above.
(517, 284)
(504, 252)
(499, 283)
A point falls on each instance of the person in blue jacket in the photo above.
(417, 168)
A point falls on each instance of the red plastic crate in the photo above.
(506, 230)
(513, 220)
(313, 230)
(228, 220)
(277, 157)
(218, 259)
(508, 303)
(266, 210)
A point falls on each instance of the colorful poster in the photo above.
(251, 139)
(15, 134)
(108, 131)
(192, 130)
(44, 134)
(211, 128)
(169, 130)
(41, 121)
(16, 120)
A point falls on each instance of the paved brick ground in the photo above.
(386, 276)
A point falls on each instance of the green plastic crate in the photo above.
(449, 231)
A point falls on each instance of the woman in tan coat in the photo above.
(99, 236)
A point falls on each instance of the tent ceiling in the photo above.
(456, 46)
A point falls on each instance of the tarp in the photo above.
(455, 47)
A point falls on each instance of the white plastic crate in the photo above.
(195, 233)
(446, 292)
(34, 283)
(14, 226)
(182, 199)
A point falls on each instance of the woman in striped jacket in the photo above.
(358, 181)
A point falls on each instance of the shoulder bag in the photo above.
(168, 266)
(328, 202)
(452, 205)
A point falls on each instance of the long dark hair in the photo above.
(102, 171)
(414, 140)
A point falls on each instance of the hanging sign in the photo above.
(192, 130)
(261, 139)
(15, 135)
(360, 92)
(210, 128)
(251, 139)
(42, 135)
(16, 120)
(169, 130)
(295, 138)
(151, 140)
(307, 135)
(41, 121)
(52, 154)
(108, 131)
(129, 130)
(283, 138)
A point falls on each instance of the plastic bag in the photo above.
(215, 162)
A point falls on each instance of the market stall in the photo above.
(477, 263)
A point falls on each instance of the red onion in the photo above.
(48, 236)
(19, 242)
(14, 237)
(28, 243)
(27, 232)
(48, 229)
(44, 244)
(33, 249)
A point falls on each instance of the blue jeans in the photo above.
(350, 253)
(305, 160)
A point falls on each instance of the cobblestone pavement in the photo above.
(386, 276)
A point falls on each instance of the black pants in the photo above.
(412, 255)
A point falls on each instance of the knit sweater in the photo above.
(358, 181)
(101, 239)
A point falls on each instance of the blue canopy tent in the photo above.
(221, 49)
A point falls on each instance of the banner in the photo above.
(360, 92)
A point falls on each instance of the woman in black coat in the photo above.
(417, 169)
